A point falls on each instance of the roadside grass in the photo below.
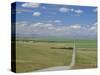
(35, 56)
(31, 56)
(86, 59)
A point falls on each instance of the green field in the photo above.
(36, 55)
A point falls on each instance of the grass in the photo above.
(86, 59)
(34, 56)
(31, 56)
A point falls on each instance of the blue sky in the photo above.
(56, 20)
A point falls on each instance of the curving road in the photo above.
(55, 68)
(62, 67)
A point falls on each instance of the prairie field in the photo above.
(36, 55)
(53, 37)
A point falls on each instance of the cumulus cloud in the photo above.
(78, 11)
(95, 24)
(22, 27)
(22, 10)
(36, 14)
(72, 10)
(44, 7)
(30, 5)
(22, 23)
(76, 26)
(55, 30)
(39, 24)
(93, 28)
(63, 9)
(95, 10)
(36, 24)
(57, 21)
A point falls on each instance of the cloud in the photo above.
(36, 24)
(22, 10)
(36, 14)
(95, 24)
(93, 28)
(95, 10)
(76, 26)
(30, 5)
(41, 25)
(78, 11)
(43, 28)
(44, 7)
(22, 27)
(22, 23)
(57, 21)
(72, 10)
(49, 27)
(63, 9)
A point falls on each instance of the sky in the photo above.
(56, 20)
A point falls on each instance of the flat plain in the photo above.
(35, 55)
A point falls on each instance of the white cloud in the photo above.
(76, 26)
(23, 23)
(36, 14)
(63, 9)
(41, 25)
(43, 7)
(36, 24)
(48, 25)
(51, 28)
(57, 21)
(95, 10)
(30, 5)
(95, 24)
(56, 30)
(93, 28)
(22, 10)
(78, 11)
(72, 10)
(22, 27)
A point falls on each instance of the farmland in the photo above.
(35, 55)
